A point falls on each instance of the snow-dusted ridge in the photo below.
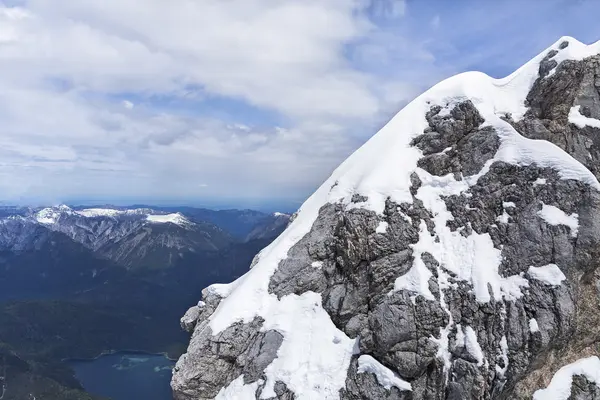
(51, 215)
(560, 386)
(309, 361)
(175, 218)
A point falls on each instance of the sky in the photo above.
(232, 103)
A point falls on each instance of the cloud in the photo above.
(241, 98)
(286, 56)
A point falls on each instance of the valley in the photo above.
(76, 283)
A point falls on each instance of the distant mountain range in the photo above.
(140, 237)
(77, 281)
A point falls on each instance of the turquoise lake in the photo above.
(126, 376)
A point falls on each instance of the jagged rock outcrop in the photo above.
(455, 256)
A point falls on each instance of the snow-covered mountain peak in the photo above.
(382, 167)
(104, 212)
(51, 215)
(175, 218)
(424, 250)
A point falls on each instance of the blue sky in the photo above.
(232, 103)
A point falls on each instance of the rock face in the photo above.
(455, 256)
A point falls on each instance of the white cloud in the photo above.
(62, 64)
(286, 56)
(115, 98)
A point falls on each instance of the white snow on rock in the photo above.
(310, 362)
(386, 377)
(47, 216)
(508, 204)
(560, 385)
(504, 217)
(237, 390)
(472, 345)
(466, 337)
(313, 368)
(504, 355)
(533, 325)
(416, 280)
(580, 120)
(175, 218)
(100, 212)
(549, 274)
(574, 51)
(382, 227)
(317, 264)
(540, 181)
(51, 215)
(555, 216)
(473, 258)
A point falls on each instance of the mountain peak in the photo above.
(427, 254)
(175, 218)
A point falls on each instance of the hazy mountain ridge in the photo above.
(77, 281)
(135, 237)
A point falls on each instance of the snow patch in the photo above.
(175, 218)
(555, 216)
(560, 385)
(237, 390)
(317, 264)
(580, 120)
(472, 345)
(386, 377)
(549, 274)
(312, 368)
(47, 216)
(416, 280)
(533, 326)
(574, 51)
(100, 212)
(474, 258)
(504, 354)
(503, 218)
(540, 181)
(382, 227)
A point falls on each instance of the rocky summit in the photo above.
(454, 256)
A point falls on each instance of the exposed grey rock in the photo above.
(214, 361)
(363, 386)
(548, 64)
(583, 389)
(188, 321)
(550, 100)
